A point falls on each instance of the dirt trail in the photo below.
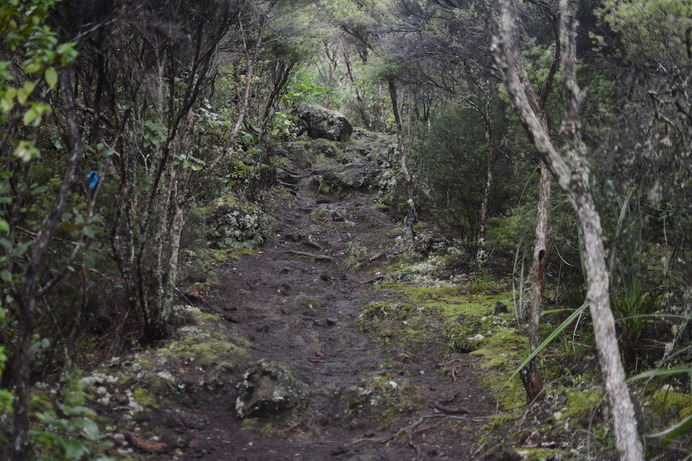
(299, 304)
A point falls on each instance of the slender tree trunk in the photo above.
(489, 160)
(247, 91)
(531, 376)
(29, 286)
(624, 419)
(410, 217)
(362, 106)
(572, 174)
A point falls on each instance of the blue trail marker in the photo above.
(95, 178)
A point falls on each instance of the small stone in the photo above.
(194, 294)
(500, 308)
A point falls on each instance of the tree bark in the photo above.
(410, 217)
(572, 174)
(531, 377)
(252, 60)
(489, 160)
(29, 288)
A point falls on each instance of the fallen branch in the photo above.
(318, 257)
(410, 431)
(449, 410)
(379, 255)
(456, 368)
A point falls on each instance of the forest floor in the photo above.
(303, 311)
(298, 302)
(384, 359)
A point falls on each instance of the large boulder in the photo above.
(360, 175)
(267, 389)
(320, 122)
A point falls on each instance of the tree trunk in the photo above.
(410, 217)
(489, 160)
(29, 287)
(531, 377)
(252, 60)
(572, 174)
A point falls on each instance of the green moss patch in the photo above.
(379, 398)
(673, 403)
(448, 319)
(581, 405)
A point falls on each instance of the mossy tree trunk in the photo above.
(410, 218)
(531, 375)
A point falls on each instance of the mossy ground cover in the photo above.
(131, 393)
(447, 317)
(451, 319)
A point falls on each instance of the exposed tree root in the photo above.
(411, 430)
(317, 257)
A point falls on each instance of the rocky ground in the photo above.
(279, 355)
(298, 303)
(306, 333)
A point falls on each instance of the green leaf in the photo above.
(74, 449)
(4, 226)
(6, 244)
(32, 68)
(675, 430)
(38, 190)
(5, 275)
(51, 76)
(6, 105)
(30, 116)
(89, 429)
(25, 91)
(26, 151)
(661, 373)
(549, 339)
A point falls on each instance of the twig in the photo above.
(318, 257)
(378, 256)
(456, 368)
(312, 244)
(379, 277)
(290, 428)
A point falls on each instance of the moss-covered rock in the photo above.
(267, 389)
(378, 398)
(360, 175)
(236, 223)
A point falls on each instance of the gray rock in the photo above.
(320, 122)
(220, 377)
(267, 389)
(233, 222)
(360, 175)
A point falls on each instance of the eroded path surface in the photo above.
(299, 302)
